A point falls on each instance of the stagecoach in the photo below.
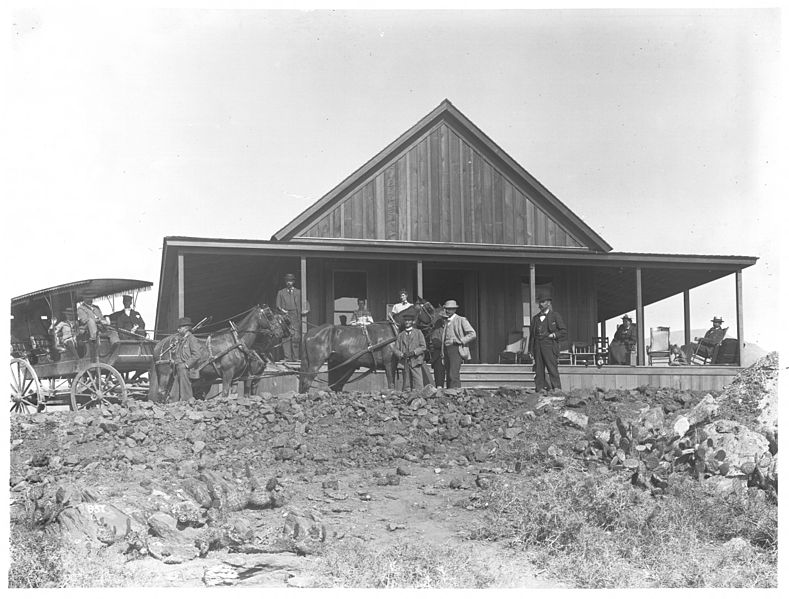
(43, 374)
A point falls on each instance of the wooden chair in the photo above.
(583, 353)
(659, 348)
(515, 351)
(707, 349)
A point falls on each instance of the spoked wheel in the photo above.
(96, 385)
(26, 395)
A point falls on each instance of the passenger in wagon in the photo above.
(128, 320)
(93, 321)
(361, 316)
(64, 331)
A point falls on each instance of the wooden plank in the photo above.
(357, 215)
(391, 216)
(413, 194)
(476, 196)
(531, 222)
(369, 207)
(423, 218)
(498, 206)
(539, 227)
(455, 187)
(487, 203)
(519, 210)
(561, 237)
(466, 192)
(445, 213)
(403, 206)
(380, 206)
(550, 225)
(434, 185)
(509, 214)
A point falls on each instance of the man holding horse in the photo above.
(409, 348)
(457, 332)
(289, 302)
(186, 355)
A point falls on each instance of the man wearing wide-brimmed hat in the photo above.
(91, 320)
(186, 355)
(547, 332)
(128, 320)
(289, 302)
(410, 348)
(458, 332)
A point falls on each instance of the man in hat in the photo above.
(706, 345)
(624, 342)
(186, 355)
(289, 302)
(128, 320)
(457, 332)
(716, 329)
(410, 348)
(547, 332)
(93, 321)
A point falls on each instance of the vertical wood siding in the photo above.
(442, 189)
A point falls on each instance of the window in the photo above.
(349, 288)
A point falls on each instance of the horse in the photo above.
(348, 347)
(225, 354)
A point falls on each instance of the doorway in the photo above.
(440, 285)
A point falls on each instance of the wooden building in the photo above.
(444, 212)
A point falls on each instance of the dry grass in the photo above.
(601, 532)
(402, 565)
(42, 560)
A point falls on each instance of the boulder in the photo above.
(744, 448)
(575, 419)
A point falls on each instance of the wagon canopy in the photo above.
(96, 288)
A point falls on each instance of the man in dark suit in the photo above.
(128, 320)
(547, 331)
(289, 302)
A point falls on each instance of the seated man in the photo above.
(91, 320)
(128, 321)
(704, 346)
(361, 316)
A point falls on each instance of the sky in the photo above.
(659, 128)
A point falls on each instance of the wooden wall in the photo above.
(442, 189)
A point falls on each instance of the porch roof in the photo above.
(663, 275)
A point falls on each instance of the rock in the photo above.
(162, 525)
(483, 482)
(401, 471)
(456, 483)
(171, 552)
(95, 522)
(703, 411)
(681, 426)
(302, 581)
(742, 446)
(653, 419)
(513, 432)
(576, 419)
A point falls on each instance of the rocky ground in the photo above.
(256, 490)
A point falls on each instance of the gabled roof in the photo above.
(545, 203)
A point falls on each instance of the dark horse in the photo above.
(224, 355)
(346, 348)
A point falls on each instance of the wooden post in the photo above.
(686, 306)
(532, 291)
(640, 318)
(602, 329)
(419, 286)
(180, 285)
(303, 307)
(740, 322)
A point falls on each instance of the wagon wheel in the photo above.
(98, 384)
(25, 388)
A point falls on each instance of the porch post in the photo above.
(602, 329)
(640, 318)
(686, 306)
(740, 328)
(419, 287)
(180, 285)
(303, 306)
(532, 290)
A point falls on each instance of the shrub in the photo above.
(402, 565)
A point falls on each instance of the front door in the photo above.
(443, 284)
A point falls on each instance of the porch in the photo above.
(491, 376)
